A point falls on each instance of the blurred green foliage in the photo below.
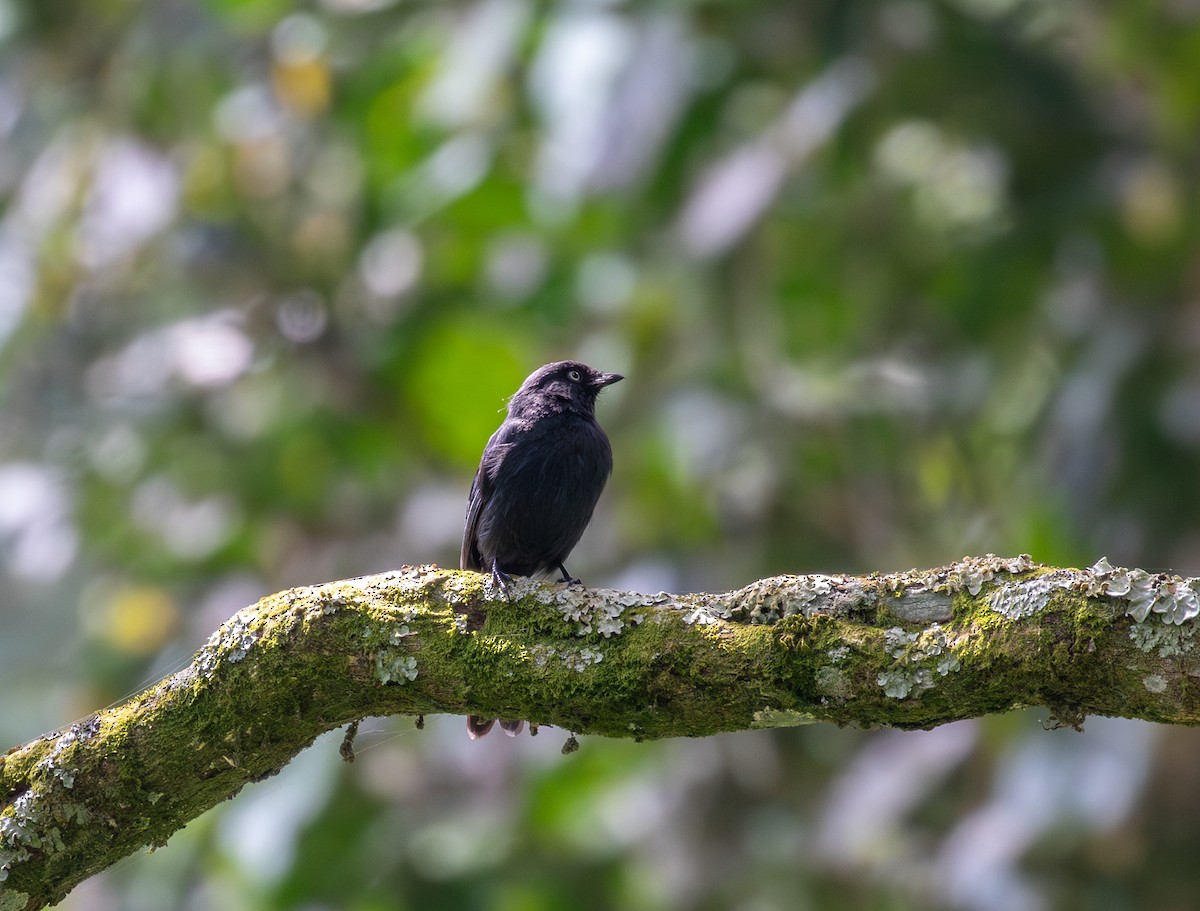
(891, 283)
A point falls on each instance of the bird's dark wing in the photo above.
(468, 556)
(481, 491)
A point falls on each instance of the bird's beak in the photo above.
(607, 379)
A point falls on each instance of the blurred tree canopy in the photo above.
(891, 282)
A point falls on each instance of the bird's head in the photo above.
(561, 386)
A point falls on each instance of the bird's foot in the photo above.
(501, 580)
(567, 577)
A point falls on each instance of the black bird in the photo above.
(538, 482)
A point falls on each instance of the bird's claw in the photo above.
(567, 577)
(501, 580)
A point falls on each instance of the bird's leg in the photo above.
(501, 579)
(567, 577)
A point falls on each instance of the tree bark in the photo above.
(909, 650)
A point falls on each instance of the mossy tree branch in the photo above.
(910, 650)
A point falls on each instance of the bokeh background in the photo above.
(891, 282)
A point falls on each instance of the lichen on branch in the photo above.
(912, 650)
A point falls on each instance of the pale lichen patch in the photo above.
(184, 679)
(900, 682)
(948, 664)
(770, 600)
(1177, 599)
(831, 681)
(231, 642)
(971, 573)
(1024, 598)
(918, 657)
(706, 615)
(577, 659)
(14, 845)
(408, 583)
(1155, 683)
(393, 668)
(31, 822)
(333, 596)
(1164, 639)
(596, 610)
(457, 587)
(52, 762)
(26, 827)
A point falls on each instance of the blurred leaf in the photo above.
(463, 370)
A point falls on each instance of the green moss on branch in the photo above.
(910, 650)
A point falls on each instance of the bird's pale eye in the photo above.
(573, 376)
